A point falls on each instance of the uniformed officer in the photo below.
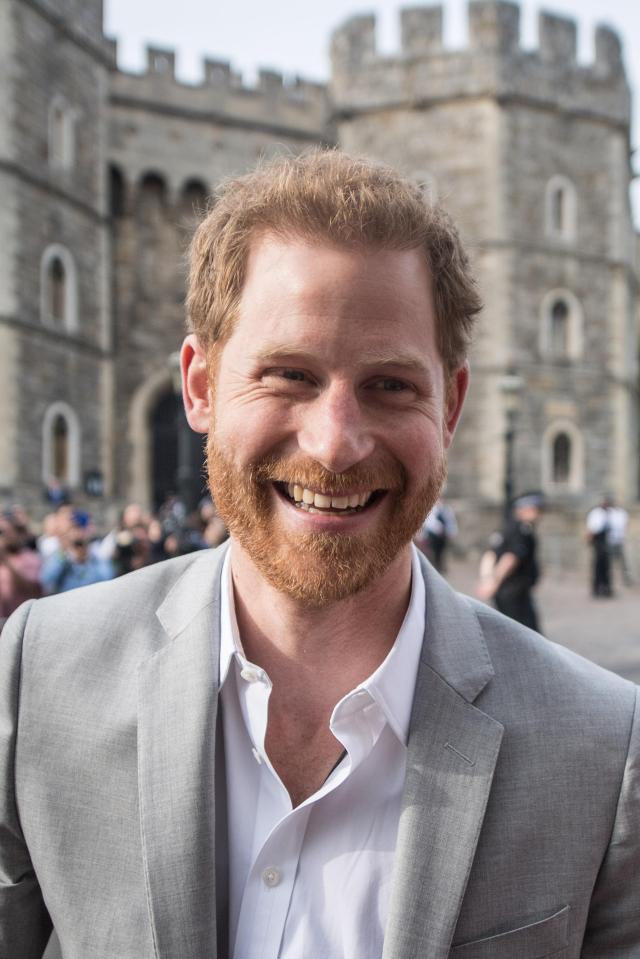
(599, 530)
(509, 569)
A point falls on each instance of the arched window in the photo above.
(560, 209)
(563, 458)
(117, 192)
(56, 292)
(152, 197)
(61, 135)
(58, 289)
(193, 198)
(559, 331)
(61, 446)
(561, 326)
(60, 453)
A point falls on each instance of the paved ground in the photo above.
(606, 631)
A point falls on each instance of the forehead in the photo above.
(329, 293)
(297, 258)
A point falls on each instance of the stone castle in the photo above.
(103, 174)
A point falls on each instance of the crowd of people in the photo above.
(67, 551)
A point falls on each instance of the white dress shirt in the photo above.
(598, 520)
(315, 880)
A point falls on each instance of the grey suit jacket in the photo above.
(519, 835)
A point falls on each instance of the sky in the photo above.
(293, 36)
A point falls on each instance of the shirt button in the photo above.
(249, 674)
(271, 877)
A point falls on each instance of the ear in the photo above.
(196, 393)
(456, 390)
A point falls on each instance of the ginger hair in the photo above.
(327, 196)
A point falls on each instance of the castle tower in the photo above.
(530, 151)
(55, 337)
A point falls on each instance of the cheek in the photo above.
(419, 448)
(247, 432)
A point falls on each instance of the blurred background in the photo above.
(118, 120)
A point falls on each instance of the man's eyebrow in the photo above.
(406, 361)
(278, 353)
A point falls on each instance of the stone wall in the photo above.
(57, 58)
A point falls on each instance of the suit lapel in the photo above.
(452, 752)
(177, 709)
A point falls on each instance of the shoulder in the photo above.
(135, 588)
(518, 538)
(117, 617)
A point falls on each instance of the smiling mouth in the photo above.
(312, 501)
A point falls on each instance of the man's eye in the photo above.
(283, 373)
(389, 385)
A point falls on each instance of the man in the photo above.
(73, 564)
(598, 532)
(509, 569)
(304, 743)
(436, 533)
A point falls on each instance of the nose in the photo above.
(334, 431)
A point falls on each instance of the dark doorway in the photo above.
(117, 192)
(177, 463)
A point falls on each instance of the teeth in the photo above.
(308, 499)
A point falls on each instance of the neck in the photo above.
(329, 649)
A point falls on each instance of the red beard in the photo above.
(318, 568)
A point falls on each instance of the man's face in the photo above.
(528, 514)
(330, 415)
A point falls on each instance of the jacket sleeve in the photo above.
(613, 927)
(24, 921)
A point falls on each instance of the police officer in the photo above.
(599, 529)
(509, 569)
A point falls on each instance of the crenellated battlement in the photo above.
(293, 104)
(494, 63)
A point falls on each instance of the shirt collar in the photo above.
(392, 684)
(230, 644)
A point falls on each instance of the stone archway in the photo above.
(144, 400)
(157, 426)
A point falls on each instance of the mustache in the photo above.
(386, 475)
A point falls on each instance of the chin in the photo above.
(319, 569)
